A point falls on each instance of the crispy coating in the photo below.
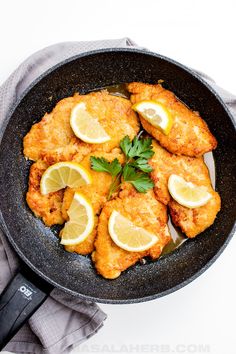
(194, 221)
(53, 140)
(52, 208)
(192, 169)
(96, 193)
(53, 133)
(47, 207)
(189, 134)
(143, 210)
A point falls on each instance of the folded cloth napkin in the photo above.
(62, 322)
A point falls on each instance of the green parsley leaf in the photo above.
(100, 164)
(140, 180)
(137, 148)
(142, 164)
(136, 168)
(126, 145)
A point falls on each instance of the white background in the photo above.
(200, 34)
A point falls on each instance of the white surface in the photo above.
(199, 318)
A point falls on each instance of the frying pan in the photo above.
(45, 264)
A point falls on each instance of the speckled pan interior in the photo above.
(38, 245)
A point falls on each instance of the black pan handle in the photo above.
(18, 302)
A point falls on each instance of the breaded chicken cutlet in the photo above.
(53, 140)
(192, 169)
(52, 207)
(144, 211)
(96, 193)
(189, 134)
(47, 207)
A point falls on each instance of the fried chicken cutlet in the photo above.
(52, 208)
(48, 207)
(189, 134)
(53, 140)
(143, 210)
(191, 221)
(96, 193)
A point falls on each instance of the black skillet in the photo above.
(46, 262)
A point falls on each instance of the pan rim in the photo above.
(21, 254)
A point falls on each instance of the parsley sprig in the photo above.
(101, 164)
(135, 169)
(138, 148)
(140, 180)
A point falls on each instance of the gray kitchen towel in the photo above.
(62, 322)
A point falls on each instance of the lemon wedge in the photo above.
(63, 174)
(128, 236)
(81, 221)
(187, 193)
(156, 114)
(86, 127)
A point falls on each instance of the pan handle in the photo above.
(18, 302)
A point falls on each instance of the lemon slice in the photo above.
(81, 221)
(156, 114)
(187, 193)
(128, 236)
(86, 127)
(63, 174)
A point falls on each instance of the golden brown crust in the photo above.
(142, 209)
(53, 140)
(189, 134)
(53, 132)
(47, 207)
(96, 193)
(194, 221)
(192, 169)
